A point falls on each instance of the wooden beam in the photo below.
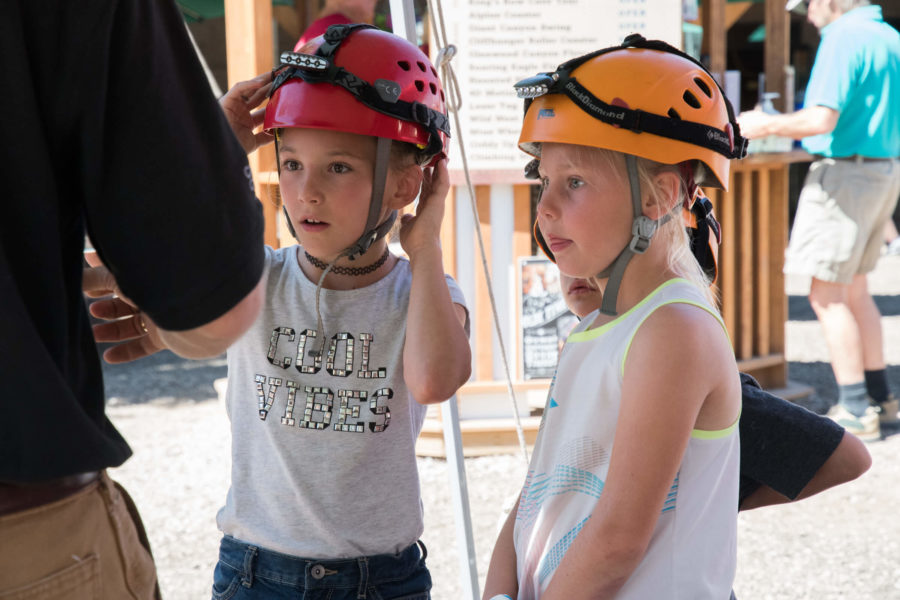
(522, 232)
(248, 51)
(746, 262)
(448, 235)
(484, 323)
(777, 50)
(714, 30)
(764, 264)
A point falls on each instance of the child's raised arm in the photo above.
(436, 356)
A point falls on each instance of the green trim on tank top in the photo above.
(703, 434)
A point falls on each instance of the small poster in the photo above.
(545, 322)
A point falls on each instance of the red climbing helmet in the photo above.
(362, 80)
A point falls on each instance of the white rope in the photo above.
(454, 103)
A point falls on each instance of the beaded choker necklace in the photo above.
(352, 271)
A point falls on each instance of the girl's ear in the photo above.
(403, 186)
(668, 185)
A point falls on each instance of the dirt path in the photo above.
(843, 544)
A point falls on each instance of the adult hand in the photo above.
(239, 103)
(134, 334)
(424, 228)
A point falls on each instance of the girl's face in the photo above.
(585, 209)
(581, 295)
(326, 186)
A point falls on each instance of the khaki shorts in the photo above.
(90, 545)
(839, 228)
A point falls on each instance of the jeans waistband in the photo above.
(254, 562)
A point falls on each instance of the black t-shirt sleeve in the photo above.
(783, 445)
(169, 197)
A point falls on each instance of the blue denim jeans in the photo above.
(246, 572)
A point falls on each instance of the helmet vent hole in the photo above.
(420, 85)
(442, 95)
(703, 87)
(433, 88)
(403, 65)
(421, 65)
(691, 99)
(433, 72)
(673, 114)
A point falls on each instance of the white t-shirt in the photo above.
(692, 552)
(323, 450)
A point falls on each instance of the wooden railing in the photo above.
(754, 219)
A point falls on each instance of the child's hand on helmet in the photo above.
(238, 104)
(423, 230)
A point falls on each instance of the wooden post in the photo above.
(248, 43)
(777, 50)
(714, 33)
(484, 326)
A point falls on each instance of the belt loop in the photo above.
(247, 569)
(363, 577)
(859, 159)
(423, 549)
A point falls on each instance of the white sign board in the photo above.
(500, 42)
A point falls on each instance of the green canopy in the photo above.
(198, 10)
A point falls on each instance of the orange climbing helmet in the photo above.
(643, 98)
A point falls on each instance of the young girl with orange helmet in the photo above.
(632, 487)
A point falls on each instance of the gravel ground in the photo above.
(843, 543)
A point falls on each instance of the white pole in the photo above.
(403, 19)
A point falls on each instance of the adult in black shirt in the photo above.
(109, 128)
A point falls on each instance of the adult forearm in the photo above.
(436, 354)
(803, 123)
(216, 336)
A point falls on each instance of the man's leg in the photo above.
(831, 303)
(868, 320)
(868, 317)
(849, 350)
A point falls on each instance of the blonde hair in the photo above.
(673, 234)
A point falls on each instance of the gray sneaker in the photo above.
(867, 427)
(887, 411)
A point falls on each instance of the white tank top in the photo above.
(692, 552)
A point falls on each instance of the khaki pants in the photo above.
(90, 545)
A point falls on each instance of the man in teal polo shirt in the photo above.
(851, 121)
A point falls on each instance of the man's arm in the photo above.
(806, 122)
(135, 335)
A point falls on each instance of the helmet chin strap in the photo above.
(643, 229)
(372, 232)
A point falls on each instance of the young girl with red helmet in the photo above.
(632, 487)
(327, 391)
